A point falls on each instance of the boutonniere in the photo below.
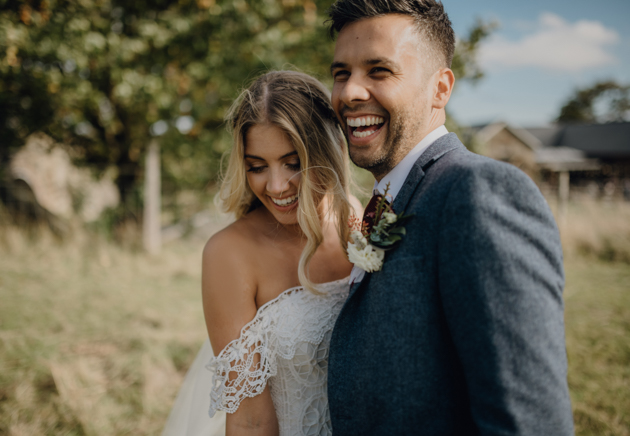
(369, 241)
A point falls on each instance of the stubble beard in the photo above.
(394, 149)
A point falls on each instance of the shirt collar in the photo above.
(396, 177)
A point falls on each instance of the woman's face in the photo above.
(273, 171)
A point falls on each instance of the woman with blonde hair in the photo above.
(274, 281)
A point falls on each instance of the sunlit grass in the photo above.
(597, 301)
(597, 230)
(95, 339)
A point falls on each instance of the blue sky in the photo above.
(542, 52)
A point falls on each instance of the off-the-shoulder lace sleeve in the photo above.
(296, 317)
(242, 368)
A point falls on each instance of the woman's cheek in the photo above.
(255, 180)
(296, 178)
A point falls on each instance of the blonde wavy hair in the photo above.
(300, 106)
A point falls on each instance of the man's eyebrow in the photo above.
(369, 62)
(336, 65)
(252, 156)
(382, 61)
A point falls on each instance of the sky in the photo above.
(539, 55)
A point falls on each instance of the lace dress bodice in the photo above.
(285, 345)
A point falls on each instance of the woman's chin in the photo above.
(285, 215)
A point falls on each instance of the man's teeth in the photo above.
(285, 201)
(357, 134)
(364, 121)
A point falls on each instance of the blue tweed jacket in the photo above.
(461, 332)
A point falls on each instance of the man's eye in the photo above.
(341, 75)
(379, 70)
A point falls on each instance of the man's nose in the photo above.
(353, 91)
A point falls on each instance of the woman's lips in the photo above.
(285, 204)
(286, 201)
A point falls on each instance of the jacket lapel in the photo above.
(435, 151)
(357, 285)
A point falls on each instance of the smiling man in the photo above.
(461, 330)
(389, 89)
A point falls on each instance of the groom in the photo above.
(461, 331)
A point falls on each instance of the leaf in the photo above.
(398, 230)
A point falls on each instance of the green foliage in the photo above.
(97, 74)
(102, 76)
(466, 69)
(603, 102)
(464, 64)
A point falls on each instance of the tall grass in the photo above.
(597, 314)
(596, 230)
(95, 338)
(596, 242)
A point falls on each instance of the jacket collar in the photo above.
(434, 152)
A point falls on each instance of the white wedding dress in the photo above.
(285, 345)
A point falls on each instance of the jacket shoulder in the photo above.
(464, 166)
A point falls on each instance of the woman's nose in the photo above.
(277, 183)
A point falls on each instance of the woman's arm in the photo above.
(229, 292)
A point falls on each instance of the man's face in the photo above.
(381, 92)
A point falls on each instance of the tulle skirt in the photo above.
(189, 415)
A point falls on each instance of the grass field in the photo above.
(597, 301)
(95, 339)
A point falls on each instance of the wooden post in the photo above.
(151, 227)
(563, 196)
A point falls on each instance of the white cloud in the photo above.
(555, 45)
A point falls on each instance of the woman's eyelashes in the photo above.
(293, 166)
(255, 168)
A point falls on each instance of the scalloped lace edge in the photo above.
(221, 366)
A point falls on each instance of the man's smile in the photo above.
(361, 127)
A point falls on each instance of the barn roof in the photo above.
(603, 141)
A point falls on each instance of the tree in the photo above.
(102, 76)
(465, 66)
(96, 75)
(605, 101)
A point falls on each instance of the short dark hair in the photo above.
(429, 15)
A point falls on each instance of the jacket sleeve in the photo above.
(501, 281)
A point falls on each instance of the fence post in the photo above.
(563, 197)
(151, 227)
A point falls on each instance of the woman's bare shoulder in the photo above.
(356, 205)
(228, 249)
(229, 283)
(237, 239)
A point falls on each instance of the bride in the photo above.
(274, 281)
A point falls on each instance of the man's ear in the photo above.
(444, 82)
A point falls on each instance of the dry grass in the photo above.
(597, 313)
(95, 338)
(597, 230)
